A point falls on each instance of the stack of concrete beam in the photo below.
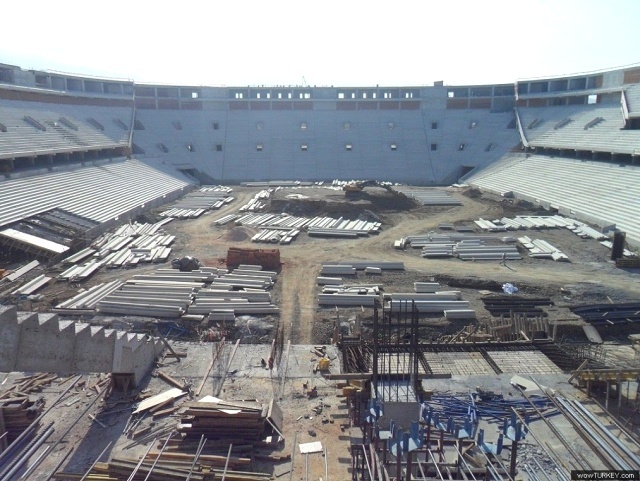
(197, 203)
(243, 279)
(167, 293)
(79, 256)
(543, 222)
(226, 219)
(39, 342)
(427, 296)
(490, 226)
(584, 231)
(459, 313)
(352, 289)
(127, 246)
(316, 226)
(330, 227)
(276, 236)
(361, 265)
(348, 300)
(80, 273)
(18, 273)
(85, 301)
(478, 253)
(338, 270)
(220, 304)
(429, 197)
(32, 286)
(329, 281)
(257, 203)
(426, 286)
(542, 249)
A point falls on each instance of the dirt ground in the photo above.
(590, 277)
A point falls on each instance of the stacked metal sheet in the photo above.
(542, 249)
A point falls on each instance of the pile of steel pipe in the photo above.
(611, 449)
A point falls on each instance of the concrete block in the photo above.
(94, 350)
(45, 345)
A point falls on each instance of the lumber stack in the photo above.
(17, 413)
(232, 421)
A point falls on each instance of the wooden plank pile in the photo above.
(17, 412)
(237, 422)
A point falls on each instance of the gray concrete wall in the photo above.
(9, 337)
(39, 342)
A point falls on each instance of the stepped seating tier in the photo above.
(98, 193)
(595, 192)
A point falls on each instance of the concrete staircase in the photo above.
(41, 342)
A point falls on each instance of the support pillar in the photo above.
(514, 457)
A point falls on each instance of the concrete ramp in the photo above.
(41, 342)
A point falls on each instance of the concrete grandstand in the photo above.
(431, 136)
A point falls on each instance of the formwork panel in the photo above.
(458, 363)
(524, 362)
